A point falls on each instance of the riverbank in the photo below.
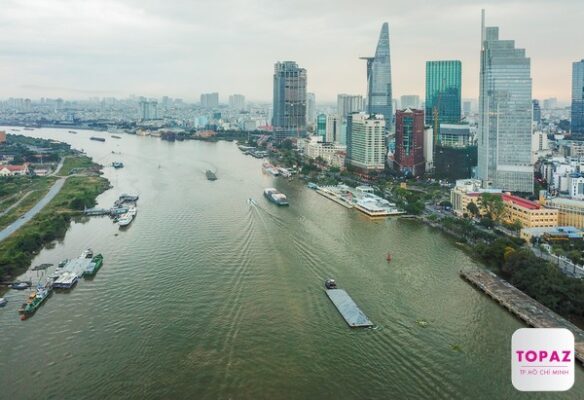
(18, 250)
(512, 261)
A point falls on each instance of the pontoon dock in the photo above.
(348, 309)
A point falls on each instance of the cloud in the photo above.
(182, 48)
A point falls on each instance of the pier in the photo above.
(522, 306)
(348, 309)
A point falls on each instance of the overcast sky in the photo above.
(181, 48)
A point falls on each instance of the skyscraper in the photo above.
(321, 126)
(366, 141)
(379, 96)
(504, 132)
(443, 82)
(536, 112)
(409, 142)
(310, 108)
(289, 107)
(577, 125)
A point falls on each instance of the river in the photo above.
(205, 296)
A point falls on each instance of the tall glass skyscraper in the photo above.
(379, 100)
(289, 108)
(577, 125)
(443, 82)
(504, 133)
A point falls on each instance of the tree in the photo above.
(493, 205)
(473, 209)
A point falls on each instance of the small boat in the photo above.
(125, 220)
(98, 139)
(210, 175)
(388, 257)
(72, 131)
(20, 285)
(3, 301)
(118, 164)
(275, 196)
(312, 185)
(116, 137)
(330, 284)
(62, 263)
(87, 254)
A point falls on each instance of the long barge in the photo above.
(348, 309)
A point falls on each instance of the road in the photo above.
(30, 214)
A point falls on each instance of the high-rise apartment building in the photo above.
(366, 148)
(348, 104)
(379, 89)
(332, 125)
(237, 101)
(409, 142)
(289, 106)
(504, 131)
(443, 95)
(409, 101)
(210, 100)
(148, 110)
(577, 124)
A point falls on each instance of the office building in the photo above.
(289, 105)
(409, 142)
(366, 149)
(237, 101)
(467, 107)
(332, 122)
(504, 132)
(321, 126)
(379, 89)
(443, 91)
(577, 124)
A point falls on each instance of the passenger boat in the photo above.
(276, 197)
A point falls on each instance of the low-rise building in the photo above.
(529, 213)
(554, 233)
(332, 153)
(13, 170)
(570, 212)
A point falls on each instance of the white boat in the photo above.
(66, 281)
(132, 211)
(3, 301)
(125, 219)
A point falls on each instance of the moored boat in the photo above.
(94, 265)
(210, 175)
(3, 301)
(66, 281)
(43, 291)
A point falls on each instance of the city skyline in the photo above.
(118, 48)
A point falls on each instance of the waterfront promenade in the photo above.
(521, 305)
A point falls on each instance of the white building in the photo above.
(332, 153)
(539, 146)
(576, 186)
(366, 147)
(429, 148)
(332, 128)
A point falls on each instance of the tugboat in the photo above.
(41, 294)
(210, 175)
(330, 284)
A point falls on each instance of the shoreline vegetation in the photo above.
(52, 222)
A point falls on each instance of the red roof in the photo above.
(521, 202)
(13, 168)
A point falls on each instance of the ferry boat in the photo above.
(66, 281)
(210, 175)
(276, 197)
(97, 139)
(94, 265)
(43, 291)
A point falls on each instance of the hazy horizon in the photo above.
(153, 48)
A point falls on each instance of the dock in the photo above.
(348, 309)
(522, 306)
(77, 266)
(329, 194)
